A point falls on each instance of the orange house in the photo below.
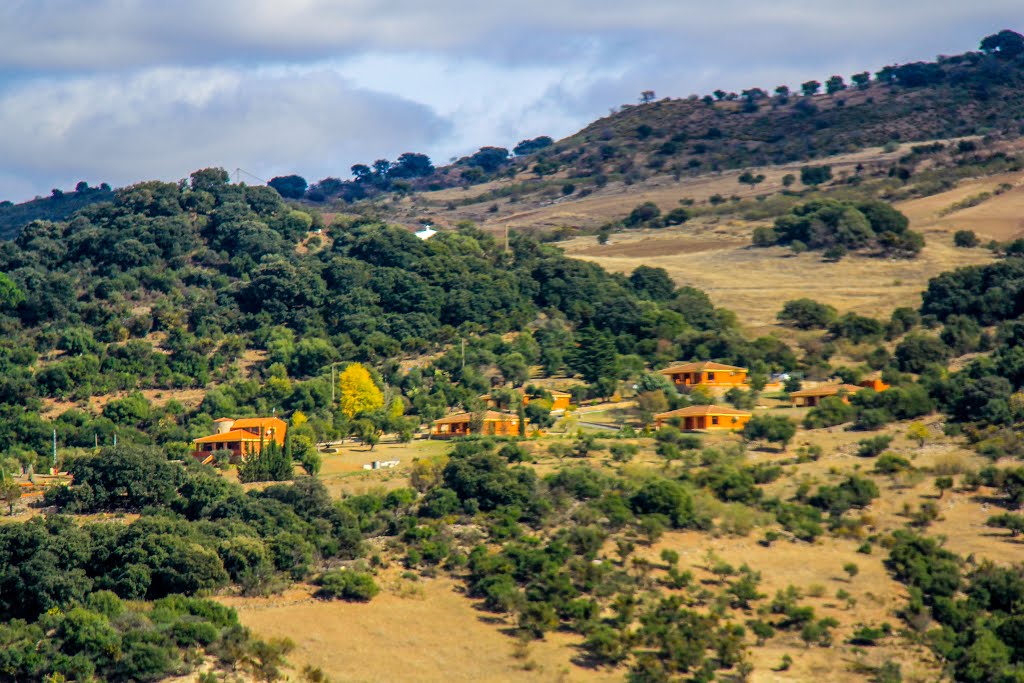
(243, 437)
(705, 374)
(494, 424)
(811, 397)
(705, 418)
(560, 400)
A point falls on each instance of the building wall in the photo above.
(716, 423)
(501, 427)
(727, 423)
(717, 378)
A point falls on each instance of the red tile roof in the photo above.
(826, 390)
(702, 366)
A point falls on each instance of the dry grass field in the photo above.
(427, 630)
(424, 631)
(714, 254)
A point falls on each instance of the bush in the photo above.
(890, 463)
(869, 448)
(965, 239)
(771, 428)
(347, 585)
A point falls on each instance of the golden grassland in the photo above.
(427, 630)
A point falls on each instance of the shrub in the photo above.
(348, 585)
(965, 239)
(890, 463)
(869, 448)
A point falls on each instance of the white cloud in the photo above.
(123, 90)
(104, 34)
(164, 123)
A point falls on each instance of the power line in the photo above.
(240, 171)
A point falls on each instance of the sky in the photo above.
(121, 91)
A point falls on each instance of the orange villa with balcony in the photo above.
(705, 418)
(809, 398)
(243, 437)
(705, 374)
(494, 424)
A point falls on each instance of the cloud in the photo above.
(123, 90)
(166, 122)
(72, 35)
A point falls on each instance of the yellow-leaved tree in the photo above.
(359, 394)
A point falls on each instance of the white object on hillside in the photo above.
(426, 233)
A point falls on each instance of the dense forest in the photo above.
(169, 285)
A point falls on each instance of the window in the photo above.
(714, 419)
(711, 377)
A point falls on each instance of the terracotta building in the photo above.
(705, 418)
(243, 437)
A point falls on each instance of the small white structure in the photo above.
(381, 465)
(426, 233)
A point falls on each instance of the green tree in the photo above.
(806, 314)
(596, 355)
(10, 493)
(810, 88)
(289, 186)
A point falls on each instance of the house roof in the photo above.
(701, 411)
(228, 437)
(224, 419)
(558, 392)
(701, 366)
(826, 390)
(489, 416)
(259, 422)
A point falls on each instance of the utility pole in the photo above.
(463, 340)
(333, 383)
(54, 449)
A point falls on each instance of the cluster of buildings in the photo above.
(494, 422)
(248, 436)
(718, 378)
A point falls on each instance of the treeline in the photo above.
(57, 207)
(759, 127)
(410, 172)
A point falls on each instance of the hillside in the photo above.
(851, 510)
(57, 207)
(971, 94)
